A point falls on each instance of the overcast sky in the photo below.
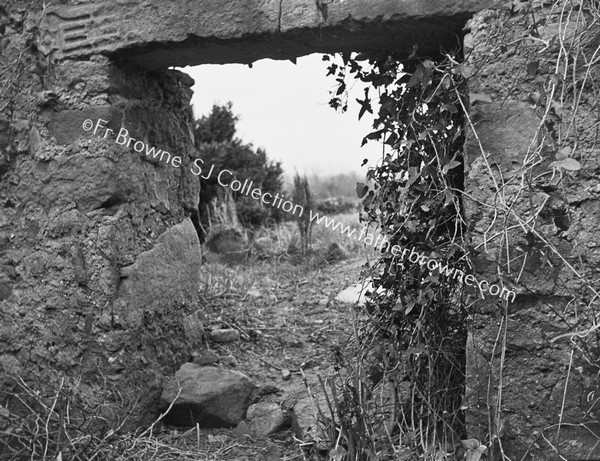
(283, 107)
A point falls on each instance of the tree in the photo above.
(215, 136)
(218, 126)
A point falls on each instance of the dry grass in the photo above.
(62, 425)
(286, 236)
(65, 423)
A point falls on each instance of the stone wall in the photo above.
(535, 227)
(98, 256)
(99, 259)
(161, 33)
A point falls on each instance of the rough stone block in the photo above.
(209, 397)
(164, 277)
(266, 418)
(67, 125)
(193, 328)
(184, 32)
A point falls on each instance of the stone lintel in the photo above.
(159, 34)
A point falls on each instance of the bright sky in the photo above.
(283, 107)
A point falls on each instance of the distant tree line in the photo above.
(340, 185)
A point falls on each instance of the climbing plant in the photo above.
(417, 316)
(415, 327)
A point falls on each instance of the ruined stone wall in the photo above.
(98, 257)
(533, 206)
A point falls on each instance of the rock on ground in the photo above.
(354, 294)
(204, 358)
(224, 335)
(266, 418)
(229, 242)
(210, 397)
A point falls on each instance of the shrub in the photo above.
(215, 136)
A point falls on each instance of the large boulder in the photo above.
(162, 278)
(228, 242)
(208, 396)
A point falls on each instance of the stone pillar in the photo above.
(533, 219)
(99, 260)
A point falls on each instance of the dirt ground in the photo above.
(288, 319)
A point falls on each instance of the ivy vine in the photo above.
(413, 197)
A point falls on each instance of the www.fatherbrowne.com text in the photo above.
(226, 179)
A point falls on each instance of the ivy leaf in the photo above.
(564, 153)
(474, 449)
(354, 67)
(556, 108)
(372, 136)
(421, 75)
(516, 169)
(403, 79)
(391, 140)
(470, 444)
(449, 107)
(338, 454)
(464, 70)
(567, 164)
(365, 104)
(368, 199)
(457, 134)
(423, 135)
(448, 166)
(417, 78)
(361, 189)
